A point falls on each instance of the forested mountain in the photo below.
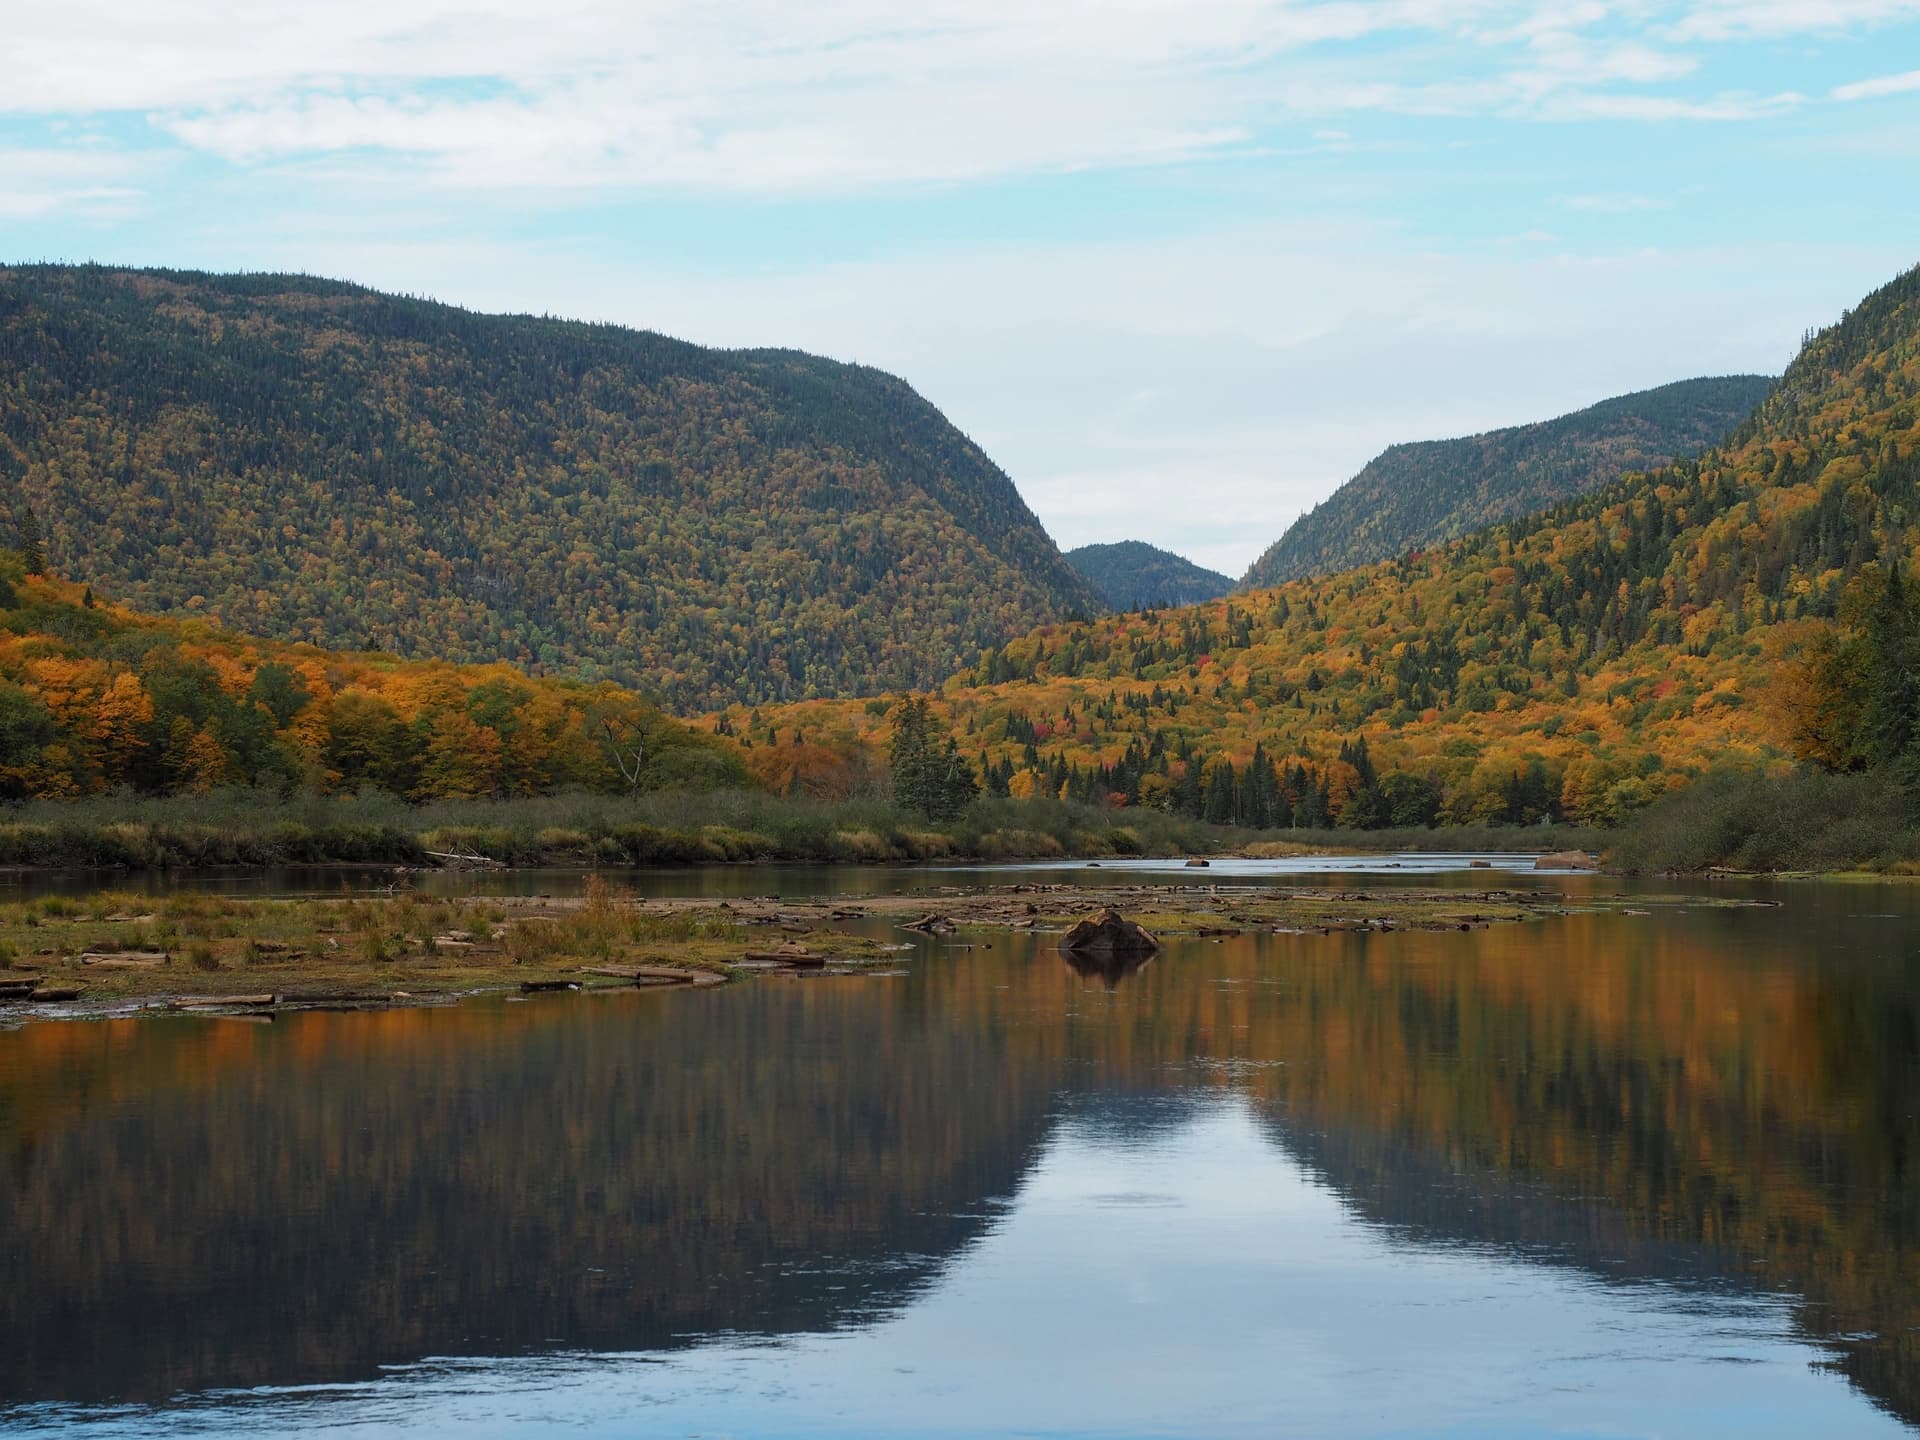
(1575, 663)
(1133, 575)
(95, 697)
(1411, 496)
(314, 461)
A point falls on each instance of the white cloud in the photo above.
(769, 95)
(1619, 203)
(1749, 19)
(1882, 85)
(41, 182)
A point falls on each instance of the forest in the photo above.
(1133, 575)
(1748, 617)
(1578, 664)
(97, 698)
(1433, 491)
(307, 460)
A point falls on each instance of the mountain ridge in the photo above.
(1136, 575)
(1575, 663)
(315, 460)
(1426, 492)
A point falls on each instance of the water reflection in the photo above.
(1109, 970)
(1603, 1169)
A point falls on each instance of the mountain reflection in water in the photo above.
(1602, 1170)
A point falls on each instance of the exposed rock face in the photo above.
(1108, 933)
(1567, 860)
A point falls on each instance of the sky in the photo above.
(1180, 266)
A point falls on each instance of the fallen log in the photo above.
(56, 992)
(797, 955)
(536, 987)
(1567, 860)
(207, 1002)
(127, 960)
(466, 860)
(934, 924)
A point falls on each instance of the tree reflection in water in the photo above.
(1714, 1098)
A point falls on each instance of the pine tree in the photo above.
(33, 556)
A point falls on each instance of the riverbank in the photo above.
(115, 952)
(243, 828)
(1804, 824)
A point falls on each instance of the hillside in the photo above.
(1412, 496)
(94, 697)
(314, 461)
(1576, 663)
(1133, 575)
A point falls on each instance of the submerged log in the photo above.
(1567, 860)
(798, 955)
(1109, 933)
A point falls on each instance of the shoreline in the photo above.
(198, 954)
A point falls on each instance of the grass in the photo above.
(407, 943)
(1807, 821)
(253, 828)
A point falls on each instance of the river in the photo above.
(1601, 1174)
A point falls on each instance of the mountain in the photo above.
(1133, 575)
(315, 461)
(96, 697)
(1411, 496)
(1576, 663)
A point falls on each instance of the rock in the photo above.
(1108, 933)
(1484, 865)
(1198, 864)
(1567, 860)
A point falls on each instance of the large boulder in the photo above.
(1108, 933)
(1567, 860)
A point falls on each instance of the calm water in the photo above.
(1604, 1175)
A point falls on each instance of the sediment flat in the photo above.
(119, 953)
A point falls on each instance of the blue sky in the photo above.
(1180, 267)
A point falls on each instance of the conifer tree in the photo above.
(33, 555)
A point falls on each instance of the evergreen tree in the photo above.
(33, 555)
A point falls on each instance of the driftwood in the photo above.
(466, 860)
(1567, 860)
(798, 955)
(56, 992)
(934, 924)
(16, 989)
(126, 959)
(203, 1002)
(644, 974)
